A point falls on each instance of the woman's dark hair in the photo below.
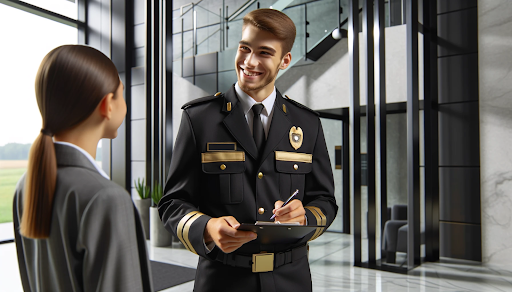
(70, 83)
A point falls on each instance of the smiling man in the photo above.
(238, 156)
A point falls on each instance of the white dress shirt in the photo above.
(246, 101)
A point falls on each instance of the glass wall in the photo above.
(26, 39)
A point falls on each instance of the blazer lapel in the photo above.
(279, 127)
(236, 123)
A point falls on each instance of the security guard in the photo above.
(237, 157)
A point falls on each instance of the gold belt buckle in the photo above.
(262, 262)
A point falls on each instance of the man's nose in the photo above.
(250, 61)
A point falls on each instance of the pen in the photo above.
(289, 199)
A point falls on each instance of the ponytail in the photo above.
(39, 188)
(70, 83)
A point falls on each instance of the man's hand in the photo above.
(223, 231)
(292, 212)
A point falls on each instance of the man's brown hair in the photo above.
(275, 22)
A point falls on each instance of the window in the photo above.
(26, 38)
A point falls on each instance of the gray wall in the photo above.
(138, 97)
(495, 88)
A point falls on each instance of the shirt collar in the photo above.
(247, 101)
(86, 155)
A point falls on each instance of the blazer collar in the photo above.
(69, 156)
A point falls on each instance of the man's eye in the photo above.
(244, 48)
(265, 53)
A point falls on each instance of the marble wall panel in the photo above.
(495, 74)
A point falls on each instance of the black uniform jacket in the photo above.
(215, 171)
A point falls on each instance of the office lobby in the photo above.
(413, 97)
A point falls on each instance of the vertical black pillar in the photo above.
(431, 130)
(355, 123)
(460, 234)
(413, 176)
(370, 122)
(380, 100)
(168, 136)
(153, 106)
(345, 170)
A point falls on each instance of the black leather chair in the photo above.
(395, 233)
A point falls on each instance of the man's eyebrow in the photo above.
(261, 47)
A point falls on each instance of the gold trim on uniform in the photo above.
(222, 156)
(184, 221)
(228, 106)
(292, 156)
(318, 222)
(321, 220)
(284, 108)
(187, 229)
(218, 93)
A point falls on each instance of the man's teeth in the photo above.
(250, 73)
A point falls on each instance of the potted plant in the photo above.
(159, 235)
(143, 204)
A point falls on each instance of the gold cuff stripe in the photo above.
(318, 222)
(324, 219)
(187, 229)
(224, 156)
(292, 156)
(181, 224)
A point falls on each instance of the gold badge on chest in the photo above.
(296, 137)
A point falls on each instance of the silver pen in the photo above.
(287, 201)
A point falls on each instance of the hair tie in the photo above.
(46, 132)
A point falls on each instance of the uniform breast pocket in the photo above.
(226, 173)
(292, 168)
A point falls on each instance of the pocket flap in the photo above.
(223, 162)
(291, 162)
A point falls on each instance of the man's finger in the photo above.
(232, 221)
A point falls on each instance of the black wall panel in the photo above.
(458, 78)
(461, 241)
(444, 6)
(458, 33)
(459, 136)
(459, 194)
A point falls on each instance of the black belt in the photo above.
(250, 261)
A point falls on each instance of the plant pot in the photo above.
(159, 236)
(143, 208)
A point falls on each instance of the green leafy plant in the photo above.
(157, 193)
(142, 189)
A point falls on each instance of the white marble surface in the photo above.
(332, 269)
(495, 75)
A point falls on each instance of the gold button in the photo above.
(295, 167)
(261, 211)
(222, 166)
(260, 175)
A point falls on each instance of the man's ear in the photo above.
(285, 62)
(105, 106)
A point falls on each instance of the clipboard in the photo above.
(278, 233)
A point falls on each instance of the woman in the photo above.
(75, 229)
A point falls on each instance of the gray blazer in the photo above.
(96, 240)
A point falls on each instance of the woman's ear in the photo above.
(105, 106)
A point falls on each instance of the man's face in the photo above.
(258, 60)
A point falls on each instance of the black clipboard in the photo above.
(278, 233)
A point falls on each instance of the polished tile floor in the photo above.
(331, 270)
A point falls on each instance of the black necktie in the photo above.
(257, 127)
